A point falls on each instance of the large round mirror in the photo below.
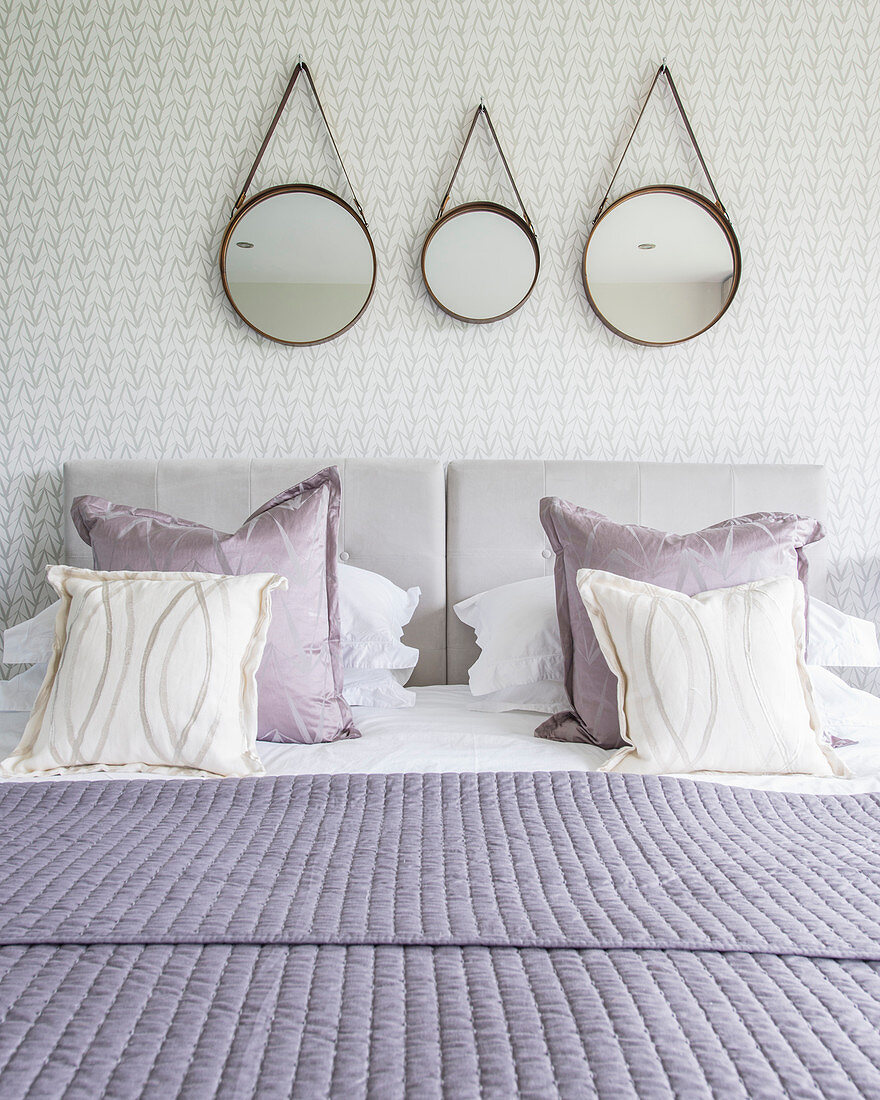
(661, 265)
(480, 262)
(298, 264)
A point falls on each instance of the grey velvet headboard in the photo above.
(475, 528)
(393, 518)
(494, 536)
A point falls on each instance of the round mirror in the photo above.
(480, 262)
(661, 265)
(298, 264)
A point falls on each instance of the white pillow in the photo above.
(376, 687)
(543, 696)
(517, 633)
(20, 692)
(847, 713)
(841, 640)
(714, 682)
(150, 672)
(30, 642)
(372, 614)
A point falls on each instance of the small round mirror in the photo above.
(298, 264)
(661, 265)
(480, 262)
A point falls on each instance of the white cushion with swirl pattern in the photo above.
(709, 683)
(150, 672)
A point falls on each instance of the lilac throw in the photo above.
(458, 935)
(294, 534)
(747, 548)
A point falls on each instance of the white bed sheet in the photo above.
(442, 734)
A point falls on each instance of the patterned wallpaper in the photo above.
(128, 126)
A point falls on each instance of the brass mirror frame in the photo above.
(710, 208)
(487, 208)
(283, 189)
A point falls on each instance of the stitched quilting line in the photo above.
(505, 1018)
(134, 826)
(133, 1026)
(675, 827)
(639, 841)
(531, 797)
(751, 859)
(493, 781)
(738, 993)
(854, 842)
(195, 1045)
(677, 1016)
(271, 996)
(81, 992)
(828, 1048)
(664, 1051)
(507, 816)
(842, 990)
(744, 825)
(266, 845)
(561, 974)
(737, 990)
(458, 824)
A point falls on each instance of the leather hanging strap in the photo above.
(664, 71)
(481, 110)
(300, 67)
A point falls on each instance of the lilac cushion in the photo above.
(748, 548)
(294, 534)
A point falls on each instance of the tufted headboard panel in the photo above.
(393, 518)
(494, 535)
(475, 528)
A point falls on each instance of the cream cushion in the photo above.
(150, 672)
(714, 682)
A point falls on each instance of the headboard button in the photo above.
(343, 556)
(546, 553)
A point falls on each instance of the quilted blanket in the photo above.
(424, 935)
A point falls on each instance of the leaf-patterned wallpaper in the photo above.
(128, 127)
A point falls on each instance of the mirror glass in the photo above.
(661, 265)
(480, 262)
(298, 264)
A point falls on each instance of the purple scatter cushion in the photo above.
(747, 548)
(300, 678)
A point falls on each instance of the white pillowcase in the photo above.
(31, 641)
(841, 640)
(372, 614)
(543, 697)
(714, 682)
(377, 687)
(518, 635)
(372, 609)
(150, 672)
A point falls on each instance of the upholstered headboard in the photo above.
(393, 518)
(481, 532)
(494, 536)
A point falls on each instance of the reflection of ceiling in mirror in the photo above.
(299, 237)
(480, 264)
(690, 245)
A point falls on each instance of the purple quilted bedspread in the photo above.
(459, 935)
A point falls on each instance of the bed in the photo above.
(447, 906)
